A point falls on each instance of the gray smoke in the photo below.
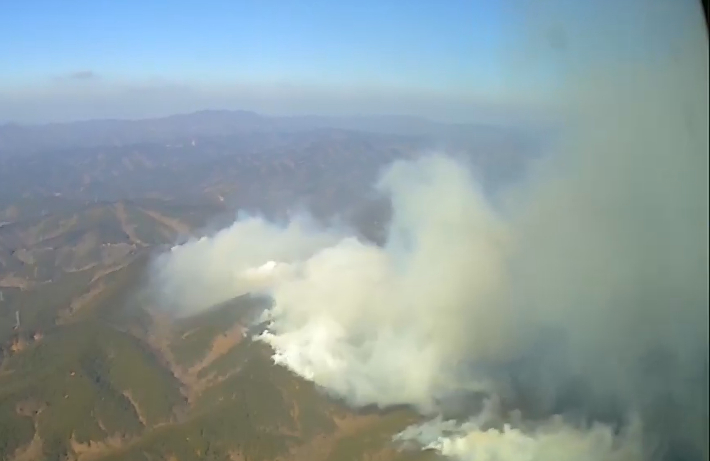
(580, 302)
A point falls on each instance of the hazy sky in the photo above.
(451, 59)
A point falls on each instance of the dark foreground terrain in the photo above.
(89, 372)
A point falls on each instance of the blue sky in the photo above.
(213, 41)
(92, 57)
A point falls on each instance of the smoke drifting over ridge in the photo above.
(602, 253)
(213, 269)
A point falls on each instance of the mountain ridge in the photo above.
(25, 138)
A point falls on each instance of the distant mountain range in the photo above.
(184, 128)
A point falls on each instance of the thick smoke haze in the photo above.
(553, 439)
(213, 269)
(580, 299)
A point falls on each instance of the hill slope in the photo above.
(92, 371)
(196, 390)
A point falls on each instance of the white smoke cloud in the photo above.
(353, 314)
(492, 436)
(606, 243)
(551, 440)
(236, 260)
(348, 314)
